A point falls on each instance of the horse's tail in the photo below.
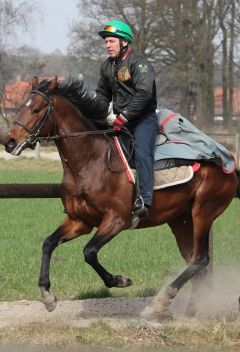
(237, 195)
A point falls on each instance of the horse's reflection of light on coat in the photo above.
(95, 196)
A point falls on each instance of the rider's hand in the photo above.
(119, 122)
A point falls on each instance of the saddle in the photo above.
(167, 172)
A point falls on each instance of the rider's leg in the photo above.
(145, 131)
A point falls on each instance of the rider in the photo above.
(128, 79)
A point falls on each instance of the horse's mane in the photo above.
(81, 97)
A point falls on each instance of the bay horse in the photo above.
(96, 191)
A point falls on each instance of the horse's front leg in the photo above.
(108, 229)
(69, 230)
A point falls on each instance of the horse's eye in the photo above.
(36, 110)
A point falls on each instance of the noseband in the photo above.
(34, 132)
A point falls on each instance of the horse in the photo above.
(96, 192)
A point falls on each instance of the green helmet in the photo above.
(117, 29)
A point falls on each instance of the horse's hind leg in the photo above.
(69, 230)
(182, 229)
(199, 259)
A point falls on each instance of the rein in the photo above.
(34, 132)
(76, 134)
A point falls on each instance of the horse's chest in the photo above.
(78, 207)
(83, 200)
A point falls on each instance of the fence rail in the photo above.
(30, 190)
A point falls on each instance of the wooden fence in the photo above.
(31, 190)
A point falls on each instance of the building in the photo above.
(218, 111)
(14, 96)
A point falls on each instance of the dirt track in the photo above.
(116, 311)
(75, 313)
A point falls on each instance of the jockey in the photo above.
(128, 80)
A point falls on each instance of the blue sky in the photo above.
(52, 32)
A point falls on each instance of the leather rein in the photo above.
(35, 131)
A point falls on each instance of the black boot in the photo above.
(140, 209)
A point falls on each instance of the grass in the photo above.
(150, 257)
(100, 336)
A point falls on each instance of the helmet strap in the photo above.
(118, 59)
(122, 48)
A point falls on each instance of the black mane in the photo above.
(84, 100)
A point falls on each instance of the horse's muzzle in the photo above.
(12, 147)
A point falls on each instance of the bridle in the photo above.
(35, 132)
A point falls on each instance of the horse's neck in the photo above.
(78, 150)
(68, 119)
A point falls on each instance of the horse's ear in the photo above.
(53, 84)
(35, 82)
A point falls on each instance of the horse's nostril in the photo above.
(10, 145)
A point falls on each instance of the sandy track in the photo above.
(116, 311)
(74, 313)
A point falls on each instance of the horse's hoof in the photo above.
(119, 281)
(50, 302)
(123, 281)
(164, 298)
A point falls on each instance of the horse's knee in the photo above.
(90, 254)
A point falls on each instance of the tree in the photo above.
(228, 14)
(181, 38)
(164, 32)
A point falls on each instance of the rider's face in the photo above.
(113, 46)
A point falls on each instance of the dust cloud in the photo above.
(220, 301)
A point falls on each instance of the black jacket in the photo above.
(130, 85)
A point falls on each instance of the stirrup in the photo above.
(139, 208)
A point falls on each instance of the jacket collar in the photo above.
(123, 56)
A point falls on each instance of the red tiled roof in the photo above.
(17, 92)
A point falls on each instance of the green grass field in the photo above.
(150, 257)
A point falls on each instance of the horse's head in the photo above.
(34, 118)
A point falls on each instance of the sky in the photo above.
(51, 33)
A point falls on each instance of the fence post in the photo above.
(210, 252)
(237, 148)
(37, 150)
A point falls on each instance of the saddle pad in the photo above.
(172, 177)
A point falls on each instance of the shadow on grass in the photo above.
(105, 293)
(101, 293)
(147, 292)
